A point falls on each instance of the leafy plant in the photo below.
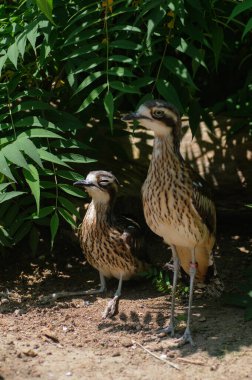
(159, 278)
(38, 144)
(67, 68)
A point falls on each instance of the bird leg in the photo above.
(113, 304)
(55, 296)
(170, 328)
(187, 338)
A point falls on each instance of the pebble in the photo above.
(127, 344)
(171, 354)
(30, 353)
(163, 357)
(115, 354)
(213, 367)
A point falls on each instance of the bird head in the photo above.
(161, 117)
(101, 185)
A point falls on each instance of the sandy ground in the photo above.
(69, 339)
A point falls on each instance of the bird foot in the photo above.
(112, 308)
(167, 330)
(186, 338)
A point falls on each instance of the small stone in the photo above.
(163, 357)
(69, 373)
(49, 335)
(30, 353)
(162, 335)
(127, 344)
(115, 354)
(171, 354)
(213, 367)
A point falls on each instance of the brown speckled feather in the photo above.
(112, 244)
(203, 200)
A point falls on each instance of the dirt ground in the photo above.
(69, 339)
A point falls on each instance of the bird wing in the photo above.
(202, 200)
(131, 234)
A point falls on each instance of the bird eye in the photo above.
(158, 114)
(104, 182)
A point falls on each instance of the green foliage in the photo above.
(37, 137)
(46, 6)
(68, 64)
(159, 278)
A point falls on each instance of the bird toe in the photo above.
(186, 338)
(168, 330)
(112, 308)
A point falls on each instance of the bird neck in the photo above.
(100, 213)
(166, 148)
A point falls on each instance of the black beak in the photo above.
(83, 183)
(131, 116)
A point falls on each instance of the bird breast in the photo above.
(105, 248)
(167, 200)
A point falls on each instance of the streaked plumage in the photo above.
(176, 200)
(112, 245)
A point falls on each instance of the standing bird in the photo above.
(177, 203)
(112, 245)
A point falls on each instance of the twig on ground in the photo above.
(190, 361)
(156, 356)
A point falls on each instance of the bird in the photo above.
(111, 244)
(178, 205)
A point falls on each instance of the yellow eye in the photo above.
(158, 114)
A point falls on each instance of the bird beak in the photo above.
(131, 116)
(83, 183)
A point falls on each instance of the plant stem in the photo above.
(10, 113)
(107, 44)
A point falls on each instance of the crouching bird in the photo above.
(113, 245)
(177, 204)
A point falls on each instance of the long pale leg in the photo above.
(187, 338)
(55, 296)
(170, 328)
(112, 307)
